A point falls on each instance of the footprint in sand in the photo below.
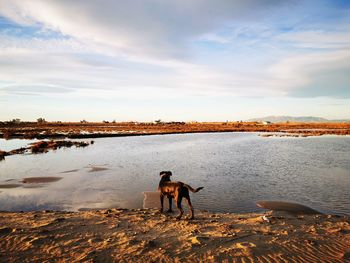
(5, 230)
(346, 256)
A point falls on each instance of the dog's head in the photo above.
(165, 175)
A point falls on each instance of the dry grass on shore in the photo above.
(92, 130)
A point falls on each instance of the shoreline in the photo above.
(52, 130)
(55, 138)
(111, 235)
(265, 134)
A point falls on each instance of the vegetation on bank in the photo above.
(54, 130)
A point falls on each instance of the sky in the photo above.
(183, 60)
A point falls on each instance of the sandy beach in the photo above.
(145, 235)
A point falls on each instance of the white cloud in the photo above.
(149, 28)
(317, 39)
(154, 50)
(85, 75)
(315, 74)
(51, 45)
(30, 68)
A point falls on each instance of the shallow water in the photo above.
(8, 145)
(236, 170)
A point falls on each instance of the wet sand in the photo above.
(145, 235)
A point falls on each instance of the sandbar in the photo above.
(287, 207)
(70, 171)
(97, 169)
(7, 186)
(36, 180)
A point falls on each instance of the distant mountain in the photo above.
(295, 119)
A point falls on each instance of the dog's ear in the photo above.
(168, 173)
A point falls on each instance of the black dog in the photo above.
(176, 190)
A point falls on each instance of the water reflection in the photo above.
(8, 145)
(236, 170)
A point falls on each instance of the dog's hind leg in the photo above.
(178, 204)
(191, 207)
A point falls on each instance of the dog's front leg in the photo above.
(161, 203)
(170, 204)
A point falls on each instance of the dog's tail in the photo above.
(193, 190)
